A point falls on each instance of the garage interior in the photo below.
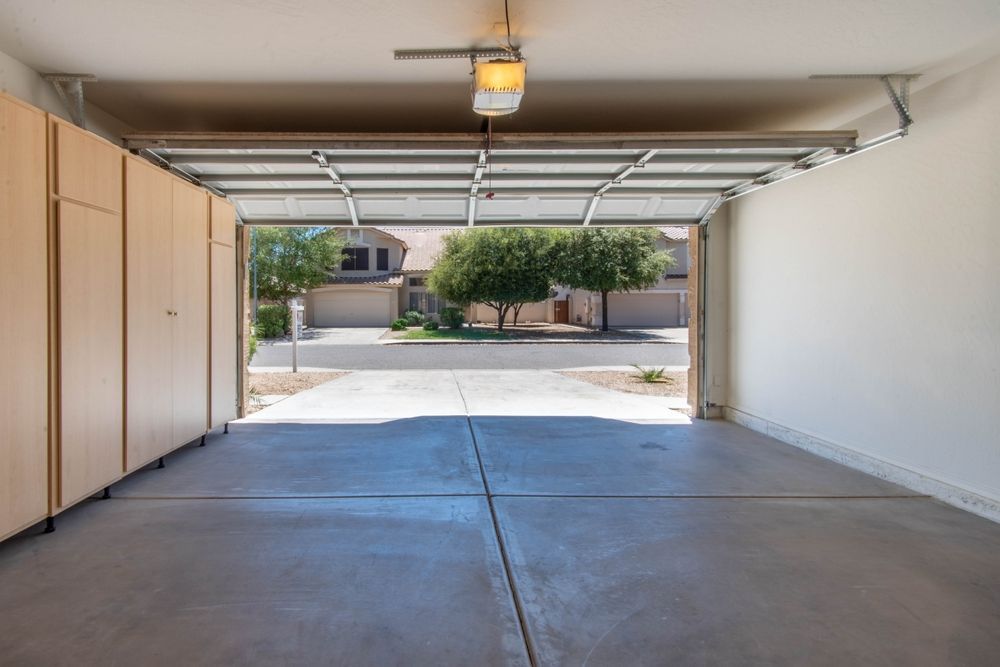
(833, 500)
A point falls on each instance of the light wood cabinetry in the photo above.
(88, 170)
(167, 261)
(190, 284)
(90, 350)
(108, 269)
(149, 307)
(24, 455)
(224, 314)
(88, 346)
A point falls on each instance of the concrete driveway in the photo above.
(499, 518)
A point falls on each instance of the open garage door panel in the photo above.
(443, 179)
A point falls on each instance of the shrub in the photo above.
(251, 347)
(453, 318)
(398, 325)
(273, 320)
(414, 318)
(649, 374)
(430, 325)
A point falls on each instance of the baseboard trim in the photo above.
(953, 495)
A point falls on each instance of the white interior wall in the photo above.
(21, 81)
(864, 300)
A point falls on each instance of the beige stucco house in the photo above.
(385, 272)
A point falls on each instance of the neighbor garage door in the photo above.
(352, 309)
(644, 310)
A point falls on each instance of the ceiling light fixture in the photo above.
(497, 83)
(497, 86)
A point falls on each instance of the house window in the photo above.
(416, 281)
(428, 304)
(382, 259)
(356, 259)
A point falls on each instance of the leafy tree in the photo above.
(609, 259)
(291, 260)
(500, 268)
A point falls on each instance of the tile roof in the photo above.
(423, 244)
(382, 279)
(674, 233)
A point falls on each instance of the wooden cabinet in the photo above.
(88, 346)
(24, 454)
(167, 312)
(88, 170)
(224, 315)
(190, 331)
(90, 350)
(149, 309)
(120, 283)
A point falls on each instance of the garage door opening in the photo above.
(370, 185)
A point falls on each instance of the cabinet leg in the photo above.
(50, 524)
(107, 493)
(202, 443)
(226, 429)
(161, 464)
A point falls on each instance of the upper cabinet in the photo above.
(88, 169)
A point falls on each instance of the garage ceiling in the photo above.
(632, 65)
(444, 180)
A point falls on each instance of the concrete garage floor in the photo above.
(486, 537)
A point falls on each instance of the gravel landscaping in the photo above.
(674, 383)
(285, 384)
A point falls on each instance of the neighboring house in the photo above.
(663, 305)
(382, 277)
(386, 269)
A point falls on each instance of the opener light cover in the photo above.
(498, 86)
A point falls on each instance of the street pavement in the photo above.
(473, 356)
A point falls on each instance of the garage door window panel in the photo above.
(356, 259)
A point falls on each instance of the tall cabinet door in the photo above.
(223, 314)
(91, 361)
(190, 330)
(24, 455)
(149, 306)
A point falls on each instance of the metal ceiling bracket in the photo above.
(70, 89)
(899, 99)
(324, 164)
(619, 177)
(438, 54)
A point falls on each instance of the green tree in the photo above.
(291, 260)
(609, 259)
(501, 268)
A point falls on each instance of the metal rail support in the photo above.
(202, 443)
(50, 524)
(619, 177)
(70, 89)
(324, 164)
(107, 493)
(477, 180)
(161, 464)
